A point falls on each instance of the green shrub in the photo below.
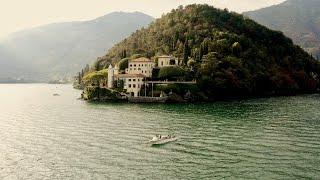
(95, 76)
(97, 93)
(123, 64)
(171, 72)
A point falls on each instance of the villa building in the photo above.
(132, 83)
(133, 79)
(139, 70)
(140, 66)
(164, 61)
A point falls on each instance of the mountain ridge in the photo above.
(56, 50)
(115, 13)
(298, 19)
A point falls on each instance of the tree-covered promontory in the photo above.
(229, 55)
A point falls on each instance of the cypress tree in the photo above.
(96, 66)
(186, 52)
(124, 54)
(79, 78)
(200, 52)
(87, 68)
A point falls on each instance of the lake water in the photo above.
(59, 137)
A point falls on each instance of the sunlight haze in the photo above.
(159, 89)
(16, 15)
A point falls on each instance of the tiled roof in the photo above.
(165, 56)
(129, 75)
(142, 59)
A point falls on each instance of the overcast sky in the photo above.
(16, 15)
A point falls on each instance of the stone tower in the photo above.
(110, 76)
(116, 69)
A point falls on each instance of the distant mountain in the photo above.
(58, 50)
(298, 19)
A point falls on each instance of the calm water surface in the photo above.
(48, 137)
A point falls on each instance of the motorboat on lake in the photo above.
(159, 139)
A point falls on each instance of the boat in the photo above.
(159, 139)
(56, 94)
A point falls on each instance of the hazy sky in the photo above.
(16, 15)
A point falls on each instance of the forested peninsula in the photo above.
(225, 53)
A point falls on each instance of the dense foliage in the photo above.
(123, 64)
(171, 72)
(231, 55)
(95, 77)
(102, 94)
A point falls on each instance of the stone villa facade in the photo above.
(164, 61)
(133, 79)
(137, 72)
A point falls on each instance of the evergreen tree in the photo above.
(123, 54)
(96, 66)
(87, 68)
(79, 78)
(200, 53)
(236, 48)
(204, 47)
(186, 51)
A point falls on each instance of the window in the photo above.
(130, 69)
(134, 65)
(139, 69)
(142, 71)
(134, 69)
(129, 80)
(130, 65)
(134, 80)
(134, 86)
(129, 85)
(161, 63)
(138, 85)
(172, 62)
